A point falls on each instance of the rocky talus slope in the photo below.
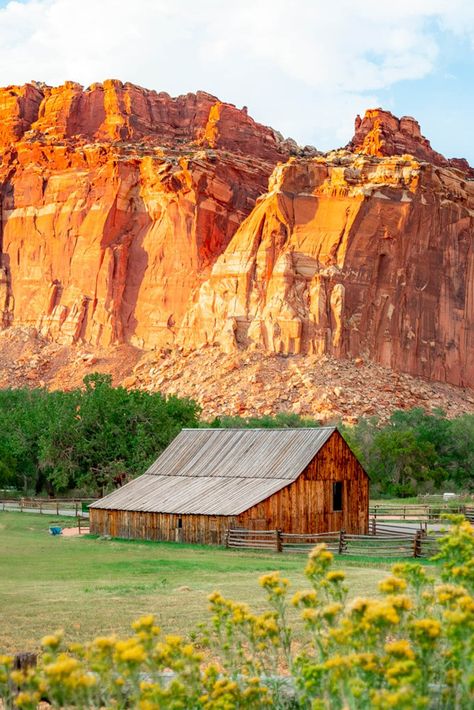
(182, 246)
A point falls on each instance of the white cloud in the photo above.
(304, 66)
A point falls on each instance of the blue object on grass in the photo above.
(55, 530)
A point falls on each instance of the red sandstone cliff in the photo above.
(116, 201)
(351, 257)
(381, 133)
(128, 216)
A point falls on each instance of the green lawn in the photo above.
(91, 586)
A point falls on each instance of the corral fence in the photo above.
(48, 506)
(418, 513)
(386, 544)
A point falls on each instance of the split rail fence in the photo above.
(384, 544)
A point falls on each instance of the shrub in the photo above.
(411, 647)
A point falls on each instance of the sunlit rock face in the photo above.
(116, 202)
(128, 216)
(351, 256)
(381, 133)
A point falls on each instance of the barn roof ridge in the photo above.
(259, 428)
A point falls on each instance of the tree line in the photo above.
(96, 437)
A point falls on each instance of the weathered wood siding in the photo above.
(202, 529)
(304, 506)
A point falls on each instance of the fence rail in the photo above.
(415, 512)
(469, 513)
(294, 542)
(376, 527)
(53, 506)
(395, 546)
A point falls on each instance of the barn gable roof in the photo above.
(219, 471)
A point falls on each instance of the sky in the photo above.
(305, 67)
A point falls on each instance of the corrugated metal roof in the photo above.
(219, 471)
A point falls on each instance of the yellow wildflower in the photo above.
(52, 641)
(446, 593)
(390, 585)
(331, 610)
(147, 704)
(104, 643)
(240, 613)
(401, 602)
(26, 700)
(63, 667)
(18, 677)
(339, 664)
(320, 552)
(383, 612)
(144, 623)
(215, 598)
(309, 615)
(130, 651)
(87, 680)
(307, 598)
(173, 640)
(146, 685)
(6, 660)
(366, 661)
(335, 577)
(400, 649)
(401, 671)
(274, 584)
(426, 630)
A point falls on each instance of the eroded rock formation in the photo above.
(351, 256)
(116, 202)
(131, 217)
(381, 133)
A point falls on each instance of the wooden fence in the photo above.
(383, 544)
(48, 506)
(381, 529)
(469, 513)
(415, 512)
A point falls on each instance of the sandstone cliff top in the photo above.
(381, 133)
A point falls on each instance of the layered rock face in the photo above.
(351, 256)
(381, 133)
(115, 203)
(130, 217)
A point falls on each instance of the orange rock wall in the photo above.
(350, 257)
(105, 247)
(116, 201)
(127, 216)
(381, 133)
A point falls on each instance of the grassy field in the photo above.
(90, 586)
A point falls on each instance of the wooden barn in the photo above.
(207, 480)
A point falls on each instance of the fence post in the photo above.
(79, 524)
(341, 541)
(374, 526)
(57, 507)
(417, 544)
(226, 537)
(279, 544)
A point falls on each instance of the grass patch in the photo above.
(90, 586)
